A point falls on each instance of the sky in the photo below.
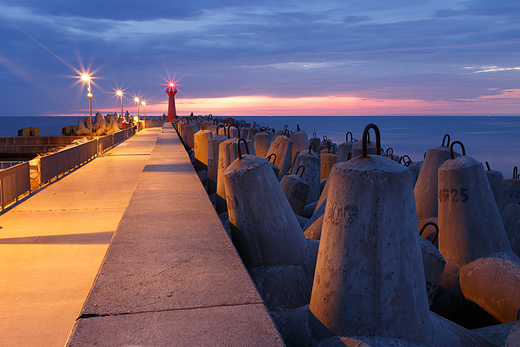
(261, 58)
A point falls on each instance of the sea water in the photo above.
(485, 138)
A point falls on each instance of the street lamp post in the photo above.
(144, 104)
(137, 101)
(86, 77)
(120, 93)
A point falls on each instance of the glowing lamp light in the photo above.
(87, 78)
(136, 99)
(120, 94)
(171, 84)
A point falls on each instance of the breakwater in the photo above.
(351, 266)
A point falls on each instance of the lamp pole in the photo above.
(120, 93)
(87, 78)
(137, 101)
(144, 104)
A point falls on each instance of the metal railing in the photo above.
(16, 180)
(7, 164)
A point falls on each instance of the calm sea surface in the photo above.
(485, 138)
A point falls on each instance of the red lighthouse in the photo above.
(171, 91)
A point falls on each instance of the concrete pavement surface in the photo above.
(53, 243)
(171, 276)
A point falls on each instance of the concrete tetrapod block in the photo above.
(327, 162)
(201, 139)
(264, 227)
(357, 148)
(311, 173)
(425, 191)
(227, 153)
(511, 219)
(262, 142)
(445, 333)
(286, 287)
(282, 148)
(496, 333)
(296, 191)
(493, 283)
(495, 179)
(369, 276)
(468, 216)
(343, 150)
(300, 143)
(309, 209)
(189, 134)
(213, 146)
(434, 264)
(509, 193)
(320, 210)
(513, 339)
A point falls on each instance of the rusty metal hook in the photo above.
(351, 138)
(333, 148)
(313, 146)
(223, 126)
(229, 132)
(406, 160)
(298, 169)
(487, 165)
(349, 156)
(461, 146)
(366, 138)
(515, 173)
(389, 151)
(313, 135)
(230, 119)
(269, 157)
(245, 146)
(436, 230)
(444, 138)
(286, 131)
(297, 127)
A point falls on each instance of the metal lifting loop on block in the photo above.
(436, 230)
(382, 151)
(238, 147)
(314, 135)
(218, 128)
(406, 160)
(210, 116)
(286, 132)
(461, 146)
(366, 138)
(215, 121)
(333, 148)
(269, 157)
(351, 138)
(444, 139)
(286, 127)
(313, 147)
(325, 138)
(349, 156)
(298, 169)
(230, 119)
(515, 173)
(229, 130)
(487, 165)
(297, 127)
(262, 129)
(389, 151)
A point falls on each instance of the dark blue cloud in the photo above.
(372, 48)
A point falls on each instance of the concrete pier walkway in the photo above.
(170, 277)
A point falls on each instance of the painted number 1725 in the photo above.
(453, 195)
